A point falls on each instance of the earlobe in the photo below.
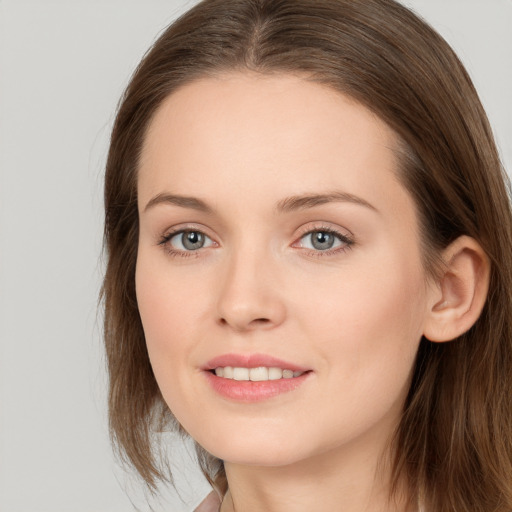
(459, 294)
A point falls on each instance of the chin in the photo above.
(259, 447)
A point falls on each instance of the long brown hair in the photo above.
(454, 442)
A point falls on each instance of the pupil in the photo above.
(322, 240)
(192, 240)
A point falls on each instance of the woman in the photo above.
(309, 236)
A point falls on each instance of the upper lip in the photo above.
(251, 361)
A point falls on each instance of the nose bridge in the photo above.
(249, 296)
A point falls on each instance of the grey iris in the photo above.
(322, 240)
(192, 240)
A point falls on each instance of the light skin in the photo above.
(254, 168)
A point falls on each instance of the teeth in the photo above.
(255, 374)
(275, 373)
(241, 373)
(258, 374)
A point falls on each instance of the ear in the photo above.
(458, 295)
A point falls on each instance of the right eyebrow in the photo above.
(177, 200)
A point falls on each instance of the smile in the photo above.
(258, 374)
(253, 378)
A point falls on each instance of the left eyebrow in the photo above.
(303, 202)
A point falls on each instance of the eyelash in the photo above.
(164, 242)
(347, 242)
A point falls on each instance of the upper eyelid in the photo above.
(180, 228)
(325, 226)
(348, 240)
(303, 230)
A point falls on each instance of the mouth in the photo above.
(253, 377)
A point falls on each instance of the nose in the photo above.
(250, 296)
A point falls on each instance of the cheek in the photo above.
(366, 330)
(168, 308)
(368, 320)
(169, 311)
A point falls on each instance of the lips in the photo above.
(253, 377)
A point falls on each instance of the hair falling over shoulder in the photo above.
(453, 446)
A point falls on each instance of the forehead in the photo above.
(256, 132)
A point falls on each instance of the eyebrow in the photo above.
(184, 201)
(289, 204)
(306, 201)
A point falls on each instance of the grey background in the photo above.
(63, 66)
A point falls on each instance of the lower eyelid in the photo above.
(329, 252)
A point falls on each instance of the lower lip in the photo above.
(249, 391)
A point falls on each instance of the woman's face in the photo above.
(274, 234)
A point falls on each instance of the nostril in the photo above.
(253, 323)
(262, 322)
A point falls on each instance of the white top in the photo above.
(210, 504)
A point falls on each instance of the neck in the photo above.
(347, 480)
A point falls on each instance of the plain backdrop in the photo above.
(63, 66)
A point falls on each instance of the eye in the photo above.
(324, 240)
(187, 240)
